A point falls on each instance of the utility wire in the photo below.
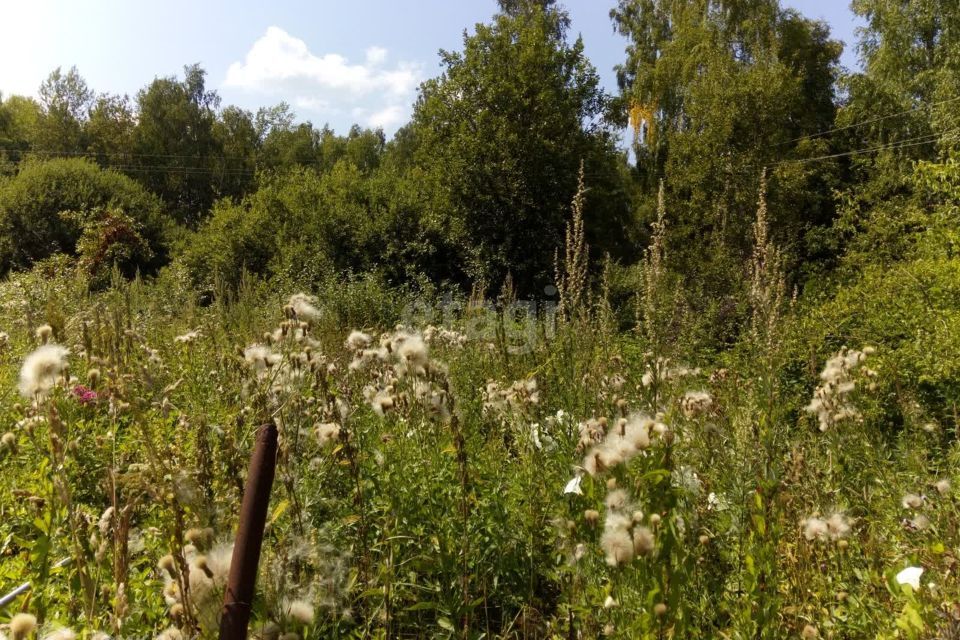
(121, 154)
(899, 144)
(870, 121)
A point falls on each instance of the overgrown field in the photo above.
(504, 474)
(661, 412)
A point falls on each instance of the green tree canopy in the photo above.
(33, 204)
(902, 108)
(175, 144)
(499, 137)
(717, 91)
(66, 100)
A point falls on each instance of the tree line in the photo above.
(477, 187)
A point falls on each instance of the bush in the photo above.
(32, 204)
(304, 227)
(900, 290)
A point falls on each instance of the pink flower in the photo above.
(84, 395)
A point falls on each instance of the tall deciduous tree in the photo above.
(903, 106)
(110, 130)
(717, 91)
(176, 148)
(911, 58)
(66, 100)
(237, 138)
(499, 136)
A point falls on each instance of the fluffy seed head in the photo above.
(912, 501)
(44, 332)
(358, 340)
(617, 545)
(41, 369)
(643, 541)
(300, 611)
(171, 633)
(695, 403)
(187, 338)
(303, 305)
(22, 625)
(616, 499)
(200, 538)
(838, 527)
(166, 563)
(327, 432)
(106, 521)
(413, 351)
(814, 529)
(260, 358)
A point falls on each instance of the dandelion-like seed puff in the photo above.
(304, 307)
(41, 369)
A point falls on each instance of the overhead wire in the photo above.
(898, 144)
(869, 121)
(239, 171)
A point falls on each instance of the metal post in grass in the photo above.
(238, 597)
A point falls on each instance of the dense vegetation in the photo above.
(536, 389)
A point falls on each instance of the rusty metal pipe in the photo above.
(238, 597)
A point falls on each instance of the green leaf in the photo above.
(445, 624)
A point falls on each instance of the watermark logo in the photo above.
(516, 325)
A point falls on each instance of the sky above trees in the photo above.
(334, 62)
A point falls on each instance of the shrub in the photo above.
(31, 203)
(304, 227)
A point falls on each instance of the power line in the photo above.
(899, 144)
(889, 146)
(121, 154)
(132, 168)
(180, 169)
(869, 121)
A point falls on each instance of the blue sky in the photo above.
(333, 61)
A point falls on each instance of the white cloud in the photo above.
(312, 104)
(388, 117)
(278, 58)
(281, 65)
(376, 55)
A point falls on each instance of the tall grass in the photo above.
(482, 477)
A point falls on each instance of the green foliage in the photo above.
(500, 136)
(910, 54)
(66, 101)
(898, 285)
(481, 484)
(31, 203)
(368, 528)
(109, 239)
(19, 117)
(724, 93)
(305, 227)
(110, 129)
(175, 142)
